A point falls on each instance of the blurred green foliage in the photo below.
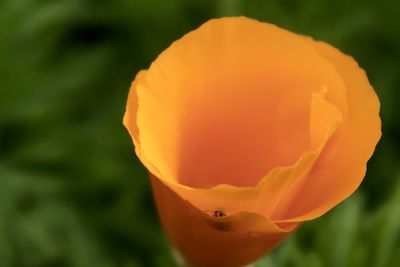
(73, 194)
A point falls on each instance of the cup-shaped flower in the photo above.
(247, 131)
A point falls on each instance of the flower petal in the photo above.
(239, 76)
(342, 165)
(264, 198)
(231, 241)
(159, 107)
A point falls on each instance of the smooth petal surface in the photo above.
(263, 198)
(342, 165)
(230, 101)
(159, 105)
(231, 241)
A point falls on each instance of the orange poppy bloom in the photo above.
(248, 130)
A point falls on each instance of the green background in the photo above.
(72, 192)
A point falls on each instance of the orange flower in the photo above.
(248, 130)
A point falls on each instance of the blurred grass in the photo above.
(72, 192)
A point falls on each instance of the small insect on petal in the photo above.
(216, 213)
